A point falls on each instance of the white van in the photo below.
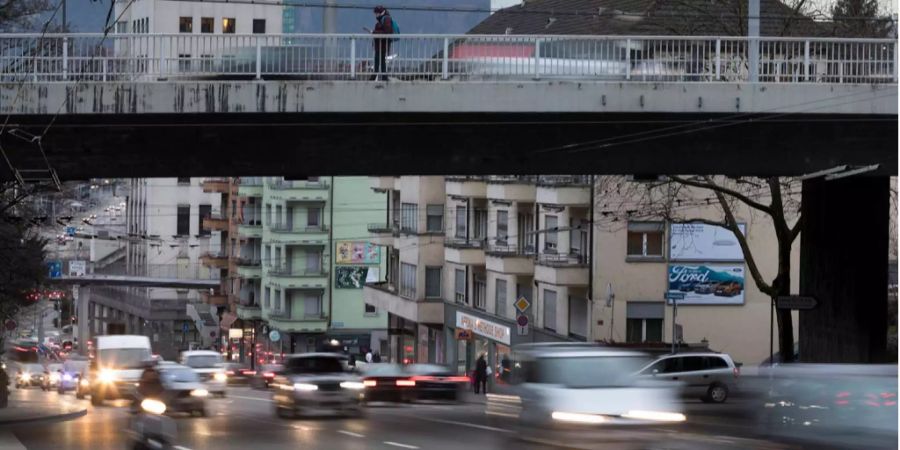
(209, 366)
(117, 367)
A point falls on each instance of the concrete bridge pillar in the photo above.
(844, 265)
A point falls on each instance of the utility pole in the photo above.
(753, 39)
(65, 24)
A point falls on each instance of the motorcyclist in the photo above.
(150, 384)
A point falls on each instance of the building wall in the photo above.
(164, 15)
(740, 330)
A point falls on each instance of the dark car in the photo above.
(264, 376)
(183, 390)
(317, 383)
(398, 383)
(238, 373)
(728, 289)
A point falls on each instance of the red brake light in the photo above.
(269, 374)
(248, 372)
(407, 383)
(737, 372)
(229, 372)
(459, 379)
(370, 383)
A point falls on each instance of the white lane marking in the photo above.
(466, 424)
(267, 400)
(350, 433)
(179, 447)
(8, 441)
(397, 444)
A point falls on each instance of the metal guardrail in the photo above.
(151, 57)
(562, 260)
(464, 243)
(564, 180)
(170, 271)
(510, 250)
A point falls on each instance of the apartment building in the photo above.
(304, 258)
(198, 17)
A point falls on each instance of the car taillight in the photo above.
(248, 372)
(407, 383)
(229, 372)
(269, 375)
(370, 383)
(737, 372)
(459, 379)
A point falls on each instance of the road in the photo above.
(244, 420)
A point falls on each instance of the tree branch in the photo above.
(723, 190)
(795, 230)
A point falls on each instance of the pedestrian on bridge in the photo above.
(384, 25)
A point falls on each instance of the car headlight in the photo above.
(199, 393)
(106, 376)
(657, 416)
(84, 382)
(577, 417)
(26, 376)
(305, 387)
(355, 385)
(153, 406)
(220, 376)
(67, 377)
(54, 377)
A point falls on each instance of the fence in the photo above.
(152, 57)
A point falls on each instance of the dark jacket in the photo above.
(384, 25)
(480, 368)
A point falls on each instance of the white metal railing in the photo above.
(153, 57)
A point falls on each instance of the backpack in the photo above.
(395, 29)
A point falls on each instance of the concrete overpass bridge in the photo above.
(80, 106)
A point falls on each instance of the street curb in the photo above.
(45, 419)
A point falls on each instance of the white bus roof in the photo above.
(122, 341)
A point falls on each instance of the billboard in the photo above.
(350, 277)
(712, 284)
(703, 242)
(350, 252)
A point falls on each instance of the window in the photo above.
(206, 24)
(234, 207)
(259, 26)
(312, 305)
(481, 224)
(183, 221)
(500, 297)
(184, 181)
(480, 292)
(693, 363)
(408, 217)
(313, 262)
(184, 62)
(502, 226)
(408, 281)
(269, 219)
(461, 221)
(312, 217)
(370, 310)
(645, 239)
(205, 212)
(434, 221)
(267, 300)
(185, 24)
(228, 25)
(432, 282)
(459, 286)
(713, 362)
(551, 223)
(550, 310)
(644, 321)
(121, 27)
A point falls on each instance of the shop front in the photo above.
(411, 342)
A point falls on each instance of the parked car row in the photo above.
(721, 289)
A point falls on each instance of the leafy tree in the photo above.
(861, 19)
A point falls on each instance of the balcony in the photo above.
(216, 185)
(249, 268)
(384, 296)
(249, 312)
(250, 230)
(509, 258)
(383, 233)
(512, 188)
(288, 278)
(214, 299)
(562, 269)
(466, 186)
(567, 190)
(250, 187)
(296, 321)
(464, 251)
(285, 234)
(299, 191)
(215, 223)
(214, 260)
(383, 184)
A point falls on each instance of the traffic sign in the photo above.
(522, 304)
(55, 269)
(795, 302)
(674, 295)
(522, 320)
(185, 327)
(77, 268)
(75, 291)
(70, 231)
(274, 336)
(10, 324)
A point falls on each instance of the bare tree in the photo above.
(23, 15)
(684, 199)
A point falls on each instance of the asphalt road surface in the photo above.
(245, 420)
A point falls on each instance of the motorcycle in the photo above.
(151, 428)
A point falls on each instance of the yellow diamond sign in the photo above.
(522, 304)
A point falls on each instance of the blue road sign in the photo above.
(70, 231)
(185, 327)
(55, 269)
(674, 295)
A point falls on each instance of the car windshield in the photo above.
(203, 361)
(33, 368)
(180, 376)
(123, 358)
(313, 365)
(588, 371)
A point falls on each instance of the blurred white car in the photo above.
(208, 365)
(581, 392)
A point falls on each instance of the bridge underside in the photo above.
(81, 146)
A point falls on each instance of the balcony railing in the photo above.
(512, 179)
(500, 249)
(463, 178)
(288, 271)
(698, 59)
(249, 262)
(321, 183)
(288, 228)
(250, 181)
(562, 260)
(464, 243)
(564, 180)
(380, 227)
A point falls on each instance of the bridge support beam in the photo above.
(844, 265)
(85, 318)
